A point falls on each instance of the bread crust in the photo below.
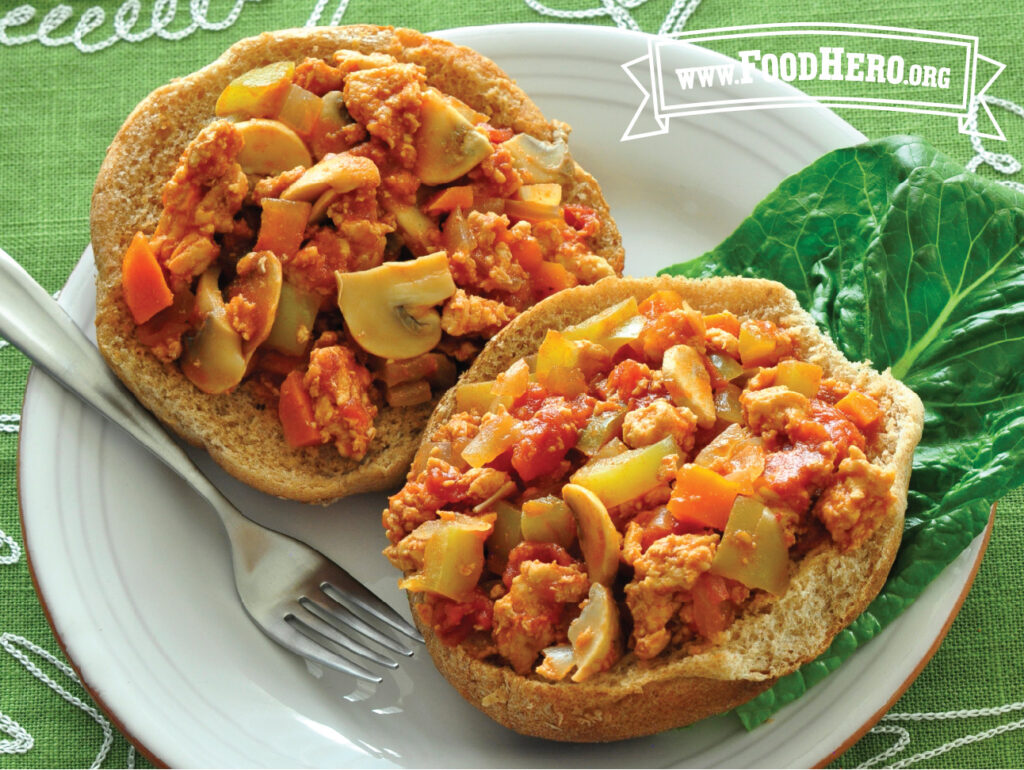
(235, 428)
(827, 592)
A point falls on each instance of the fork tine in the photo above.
(345, 620)
(339, 632)
(352, 591)
(309, 645)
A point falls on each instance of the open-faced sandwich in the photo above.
(300, 245)
(645, 501)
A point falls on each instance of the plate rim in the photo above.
(546, 28)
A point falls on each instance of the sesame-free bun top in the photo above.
(236, 428)
(828, 590)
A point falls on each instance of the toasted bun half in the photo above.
(827, 592)
(236, 428)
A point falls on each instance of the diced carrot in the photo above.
(295, 410)
(725, 321)
(702, 497)
(551, 277)
(862, 410)
(449, 199)
(145, 288)
(282, 226)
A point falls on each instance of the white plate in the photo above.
(134, 570)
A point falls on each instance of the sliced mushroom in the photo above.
(259, 283)
(389, 309)
(447, 143)
(212, 359)
(558, 662)
(270, 147)
(599, 540)
(319, 209)
(596, 635)
(689, 383)
(541, 162)
(340, 172)
(419, 232)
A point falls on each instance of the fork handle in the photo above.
(35, 324)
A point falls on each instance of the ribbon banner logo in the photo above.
(773, 66)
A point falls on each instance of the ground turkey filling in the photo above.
(325, 168)
(644, 479)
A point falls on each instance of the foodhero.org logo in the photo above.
(840, 65)
(827, 63)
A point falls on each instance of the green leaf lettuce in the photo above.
(911, 262)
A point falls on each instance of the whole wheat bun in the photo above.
(236, 428)
(827, 592)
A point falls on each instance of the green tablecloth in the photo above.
(59, 107)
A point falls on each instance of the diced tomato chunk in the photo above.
(712, 610)
(583, 219)
(452, 620)
(549, 434)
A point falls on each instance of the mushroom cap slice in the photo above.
(447, 143)
(341, 172)
(539, 161)
(389, 309)
(596, 635)
(599, 540)
(270, 147)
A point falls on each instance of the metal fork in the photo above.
(294, 594)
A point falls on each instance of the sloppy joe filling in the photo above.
(647, 477)
(346, 228)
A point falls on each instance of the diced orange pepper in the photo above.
(527, 252)
(496, 135)
(551, 277)
(702, 497)
(725, 321)
(282, 226)
(449, 199)
(295, 409)
(145, 289)
(862, 410)
(660, 302)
